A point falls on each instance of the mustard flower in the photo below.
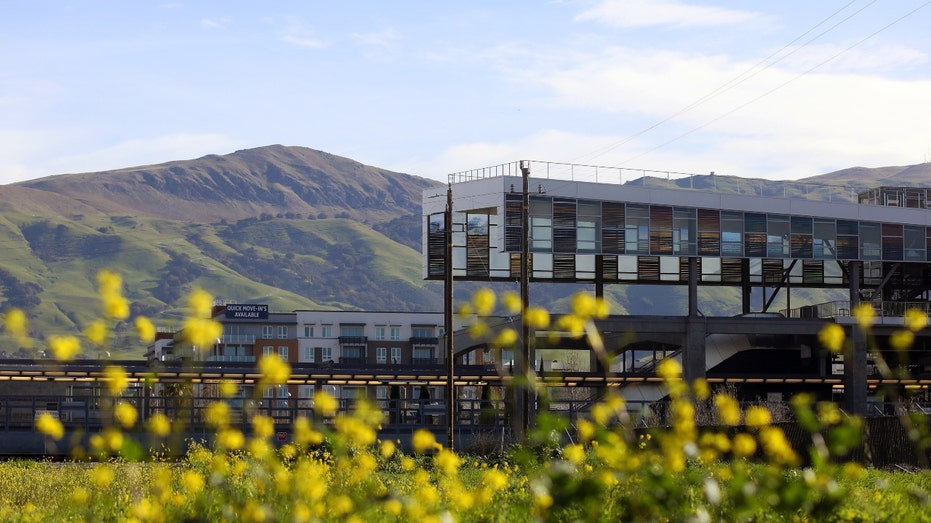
(484, 301)
(423, 440)
(743, 445)
(125, 414)
(109, 282)
(96, 332)
(193, 482)
(64, 348)
(159, 425)
(275, 371)
(728, 409)
(145, 329)
(916, 319)
(512, 302)
(15, 322)
(447, 461)
(494, 479)
(200, 303)
(506, 338)
(116, 307)
(324, 403)
(758, 416)
(202, 331)
(228, 389)
(50, 426)
(669, 369)
(832, 337)
(103, 475)
(901, 340)
(117, 379)
(865, 315)
(537, 317)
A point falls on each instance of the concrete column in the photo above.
(693, 357)
(855, 367)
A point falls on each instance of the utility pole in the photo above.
(524, 394)
(448, 322)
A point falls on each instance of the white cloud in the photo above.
(215, 23)
(294, 32)
(644, 13)
(388, 38)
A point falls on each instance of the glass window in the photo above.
(350, 330)
(381, 333)
(394, 333)
(381, 354)
(268, 350)
(326, 331)
(914, 243)
(870, 241)
(423, 332)
(637, 229)
(309, 354)
(709, 232)
(777, 236)
(612, 229)
(588, 227)
(683, 231)
(283, 352)
(848, 240)
(395, 355)
(267, 331)
(824, 243)
(892, 241)
(732, 229)
(326, 354)
(282, 332)
(308, 331)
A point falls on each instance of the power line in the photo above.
(780, 86)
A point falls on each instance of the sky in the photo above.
(758, 89)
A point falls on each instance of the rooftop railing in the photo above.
(665, 180)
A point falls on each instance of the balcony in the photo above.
(353, 340)
(239, 339)
(232, 359)
(433, 342)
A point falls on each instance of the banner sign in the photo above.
(244, 311)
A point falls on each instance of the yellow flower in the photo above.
(125, 414)
(324, 403)
(916, 319)
(218, 414)
(495, 479)
(115, 307)
(96, 332)
(758, 416)
(109, 283)
(202, 331)
(304, 434)
(228, 389)
(263, 426)
(64, 348)
(865, 314)
(506, 338)
(484, 301)
(423, 440)
(574, 453)
(901, 339)
(159, 424)
(744, 445)
(512, 303)
(447, 461)
(386, 449)
(669, 369)
(275, 371)
(193, 482)
(728, 409)
(832, 337)
(15, 322)
(117, 378)
(145, 329)
(50, 426)
(537, 317)
(103, 475)
(230, 439)
(583, 304)
(200, 303)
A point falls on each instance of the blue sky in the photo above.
(778, 90)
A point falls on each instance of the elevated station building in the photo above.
(539, 223)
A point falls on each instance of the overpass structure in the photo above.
(540, 222)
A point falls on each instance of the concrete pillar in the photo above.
(855, 361)
(693, 357)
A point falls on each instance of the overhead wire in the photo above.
(780, 86)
